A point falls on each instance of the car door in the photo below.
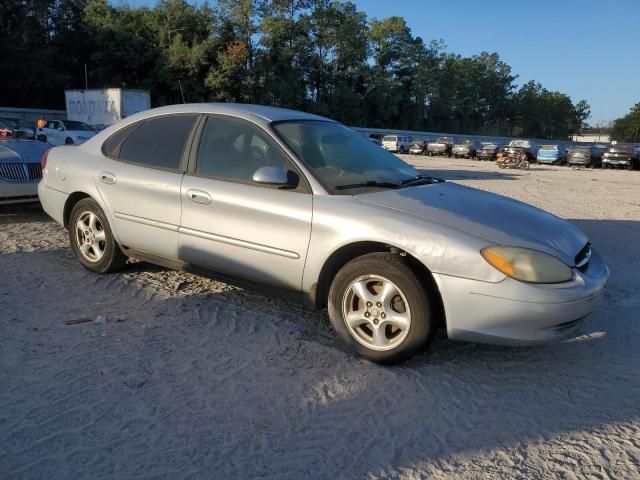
(53, 132)
(139, 180)
(232, 225)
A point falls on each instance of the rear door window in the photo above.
(158, 142)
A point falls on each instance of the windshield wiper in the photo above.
(369, 183)
(420, 180)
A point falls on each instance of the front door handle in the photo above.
(198, 196)
(108, 178)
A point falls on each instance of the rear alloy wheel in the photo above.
(91, 238)
(379, 307)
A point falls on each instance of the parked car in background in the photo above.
(597, 152)
(65, 132)
(396, 143)
(525, 146)
(466, 149)
(580, 156)
(20, 170)
(6, 130)
(487, 151)
(620, 155)
(376, 138)
(418, 147)
(298, 202)
(440, 146)
(21, 128)
(551, 154)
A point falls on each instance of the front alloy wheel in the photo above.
(382, 309)
(376, 312)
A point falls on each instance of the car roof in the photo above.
(248, 111)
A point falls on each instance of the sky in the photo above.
(587, 49)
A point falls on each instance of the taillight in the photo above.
(43, 160)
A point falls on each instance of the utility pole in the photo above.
(86, 78)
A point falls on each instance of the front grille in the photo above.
(20, 172)
(583, 257)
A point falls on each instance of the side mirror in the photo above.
(271, 176)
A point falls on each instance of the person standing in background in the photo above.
(40, 124)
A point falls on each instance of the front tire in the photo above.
(380, 308)
(92, 240)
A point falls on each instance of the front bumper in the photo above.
(580, 161)
(550, 161)
(461, 153)
(18, 192)
(616, 163)
(516, 313)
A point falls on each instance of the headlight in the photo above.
(527, 265)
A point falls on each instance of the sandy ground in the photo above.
(169, 375)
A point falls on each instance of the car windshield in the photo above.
(341, 157)
(622, 148)
(83, 127)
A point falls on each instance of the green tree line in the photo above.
(321, 56)
(627, 128)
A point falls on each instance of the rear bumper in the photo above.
(53, 202)
(550, 161)
(18, 192)
(516, 313)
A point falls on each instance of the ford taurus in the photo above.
(297, 202)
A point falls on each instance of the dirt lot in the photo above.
(169, 375)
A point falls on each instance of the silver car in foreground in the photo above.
(301, 203)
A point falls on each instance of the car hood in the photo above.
(12, 151)
(493, 217)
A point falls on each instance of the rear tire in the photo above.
(92, 240)
(391, 315)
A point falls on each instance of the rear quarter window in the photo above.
(111, 146)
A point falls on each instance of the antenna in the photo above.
(181, 92)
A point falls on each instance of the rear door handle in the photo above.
(108, 178)
(198, 196)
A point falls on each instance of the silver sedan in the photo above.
(299, 203)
